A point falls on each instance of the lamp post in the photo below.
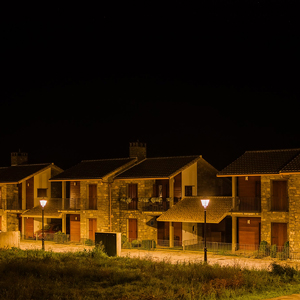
(43, 203)
(205, 204)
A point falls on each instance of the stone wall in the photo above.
(291, 217)
(147, 224)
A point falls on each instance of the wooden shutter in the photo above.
(132, 229)
(92, 228)
(279, 195)
(279, 234)
(93, 196)
(29, 193)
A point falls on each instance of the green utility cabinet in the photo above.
(111, 242)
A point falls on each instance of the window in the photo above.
(42, 193)
(279, 199)
(188, 190)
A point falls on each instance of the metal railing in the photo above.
(247, 204)
(145, 204)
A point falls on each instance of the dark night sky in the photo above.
(81, 82)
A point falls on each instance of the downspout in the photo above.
(110, 225)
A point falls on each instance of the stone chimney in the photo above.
(138, 150)
(18, 158)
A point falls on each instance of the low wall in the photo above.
(10, 239)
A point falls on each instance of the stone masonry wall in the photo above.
(291, 217)
(147, 224)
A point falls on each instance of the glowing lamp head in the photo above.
(43, 203)
(205, 203)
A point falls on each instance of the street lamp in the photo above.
(205, 204)
(43, 203)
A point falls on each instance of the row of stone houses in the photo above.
(254, 199)
(126, 195)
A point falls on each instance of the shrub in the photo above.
(60, 237)
(273, 251)
(264, 248)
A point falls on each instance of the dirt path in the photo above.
(171, 256)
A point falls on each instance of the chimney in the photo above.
(18, 158)
(138, 150)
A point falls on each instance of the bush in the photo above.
(148, 244)
(273, 251)
(136, 243)
(60, 237)
(264, 248)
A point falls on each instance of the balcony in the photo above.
(78, 204)
(248, 204)
(146, 204)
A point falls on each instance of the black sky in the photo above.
(81, 82)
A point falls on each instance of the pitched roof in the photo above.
(263, 162)
(92, 169)
(158, 167)
(50, 210)
(14, 174)
(190, 209)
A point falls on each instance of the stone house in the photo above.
(87, 196)
(21, 187)
(127, 195)
(150, 189)
(266, 198)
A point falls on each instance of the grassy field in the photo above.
(36, 274)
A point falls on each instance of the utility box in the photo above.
(111, 242)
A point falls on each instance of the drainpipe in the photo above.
(110, 225)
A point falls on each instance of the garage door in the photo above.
(75, 228)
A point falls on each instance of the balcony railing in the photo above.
(247, 204)
(56, 203)
(145, 204)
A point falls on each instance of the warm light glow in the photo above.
(43, 203)
(204, 202)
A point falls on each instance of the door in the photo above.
(29, 229)
(279, 234)
(249, 233)
(74, 195)
(29, 193)
(75, 228)
(163, 233)
(132, 229)
(279, 196)
(20, 195)
(133, 194)
(92, 228)
(177, 233)
(93, 196)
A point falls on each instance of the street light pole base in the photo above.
(205, 254)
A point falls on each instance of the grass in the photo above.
(37, 274)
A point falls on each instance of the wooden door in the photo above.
(0, 201)
(75, 228)
(93, 196)
(132, 229)
(74, 194)
(279, 195)
(20, 195)
(29, 228)
(163, 229)
(249, 233)
(92, 228)
(177, 233)
(177, 188)
(133, 194)
(279, 234)
(29, 193)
